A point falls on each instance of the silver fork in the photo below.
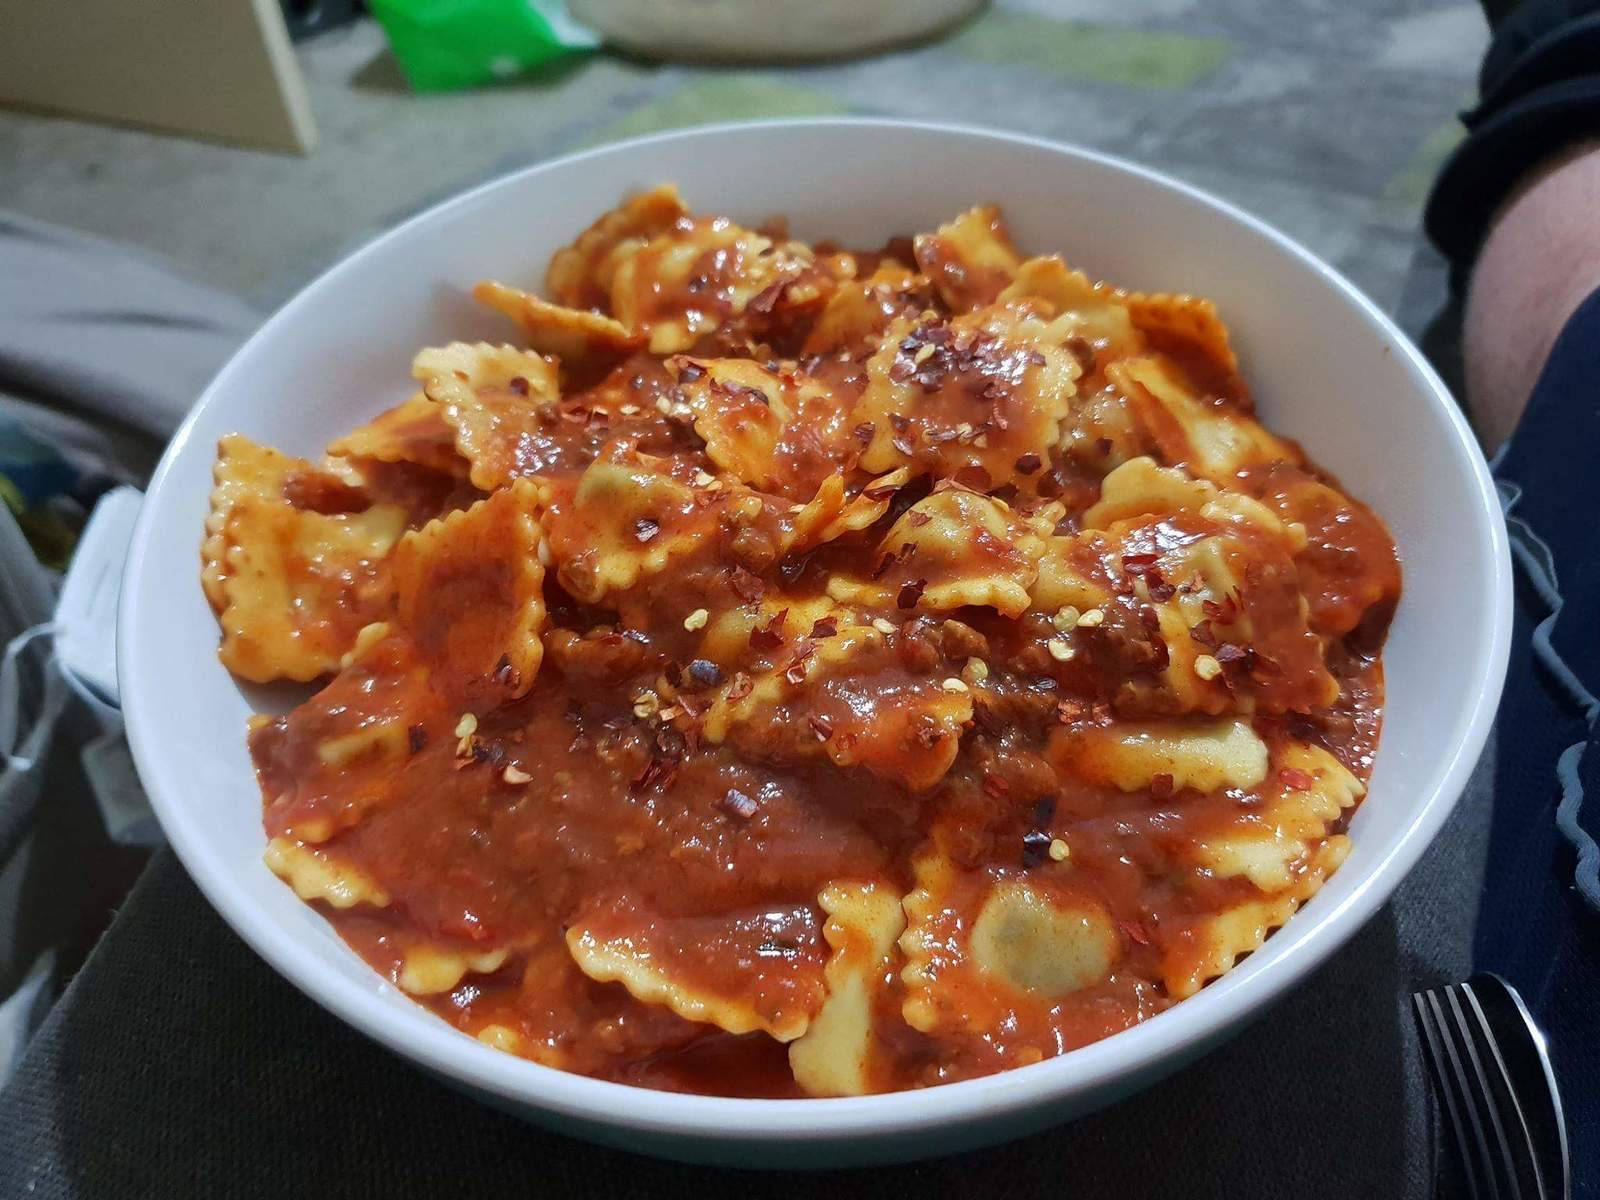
(1491, 1072)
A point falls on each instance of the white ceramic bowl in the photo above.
(1327, 367)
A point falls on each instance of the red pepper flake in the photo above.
(1138, 564)
(884, 563)
(995, 785)
(769, 637)
(820, 726)
(1296, 779)
(1103, 446)
(864, 432)
(1070, 710)
(880, 493)
(919, 518)
(741, 687)
(1228, 654)
(518, 384)
(674, 674)
(576, 415)
(417, 738)
(746, 584)
(1161, 787)
(705, 673)
(689, 371)
(1204, 634)
(764, 300)
(903, 444)
(900, 422)
(644, 529)
(505, 674)
(1028, 464)
(910, 594)
(826, 627)
(1150, 619)
(1135, 932)
(1261, 664)
(1160, 591)
(736, 804)
(1225, 613)
(1036, 358)
(658, 772)
(973, 476)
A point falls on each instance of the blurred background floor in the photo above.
(1324, 117)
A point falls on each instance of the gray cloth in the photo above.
(102, 351)
(179, 1065)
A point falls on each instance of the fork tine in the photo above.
(1463, 1091)
(1465, 1031)
(1485, 1038)
(1444, 1085)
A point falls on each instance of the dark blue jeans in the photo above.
(1539, 923)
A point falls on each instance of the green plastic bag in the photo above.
(448, 44)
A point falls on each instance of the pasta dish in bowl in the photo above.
(813, 673)
(792, 670)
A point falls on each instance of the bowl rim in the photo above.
(1218, 1009)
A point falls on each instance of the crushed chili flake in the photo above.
(1028, 464)
(903, 444)
(746, 584)
(995, 785)
(1229, 654)
(764, 301)
(1135, 932)
(864, 432)
(910, 593)
(820, 726)
(1161, 786)
(644, 529)
(769, 636)
(705, 673)
(1160, 591)
(736, 804)
(919, 518)
(973, 476)
(416, 738)
(659, 772)
(518, 384)
(689, 371)
(825, 627)
(741, 687)
(879, 493)
(1295, 778)
(505, 674)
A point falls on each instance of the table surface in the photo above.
(179, 1064)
